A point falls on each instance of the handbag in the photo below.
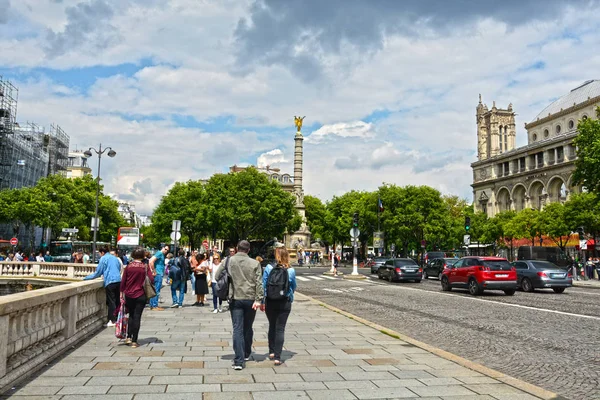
(122, 322)
(149, 290)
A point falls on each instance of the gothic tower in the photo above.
(496, 130)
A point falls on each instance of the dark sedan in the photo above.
(537, 274)
(400, 269)
(377, 263)
(436, 266)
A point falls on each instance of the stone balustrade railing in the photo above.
(38, 325)
(46, 269)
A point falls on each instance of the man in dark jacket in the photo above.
(179, 274)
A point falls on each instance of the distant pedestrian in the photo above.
(86, 257)
(132, 290)
(178, 273)
(215, 264)
(168, 262)
(336, 263)
(40, 257)
(109, 268)
(157, 264)
(246, 296)
(201, 271)
(279, 284)
(194, 263)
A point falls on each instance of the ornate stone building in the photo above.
(509, 178)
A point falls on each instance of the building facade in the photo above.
(77, 165)
(508, 178)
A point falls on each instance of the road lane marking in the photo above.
(501, 303)
(316, 278)
(303, 279)
(329, 277)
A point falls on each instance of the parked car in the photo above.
(377, 263)
(436, 266)
(432, 255)
(400, 269)
(481, 273)
(535, 274)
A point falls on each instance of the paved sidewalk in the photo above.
(186, 354)
(591, 284)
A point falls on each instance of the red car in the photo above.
(480, 273)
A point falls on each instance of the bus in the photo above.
(128, 238)
(62, 250)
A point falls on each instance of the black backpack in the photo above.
(222, 283)
(278, 283)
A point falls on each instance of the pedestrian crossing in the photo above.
(310, 278)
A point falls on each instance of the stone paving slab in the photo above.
(186, 353)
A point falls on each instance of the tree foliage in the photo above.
(234, 206)
(587, 164)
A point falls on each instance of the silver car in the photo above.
(538, 274)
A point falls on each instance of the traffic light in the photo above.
(355, 220)
(467, 223)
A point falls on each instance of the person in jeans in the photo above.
(109, 267)
(214, 266)
(132, 290)
(278, 311)
(245, 297)
(157, 265)
(178, 273)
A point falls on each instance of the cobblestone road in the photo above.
(550, 340)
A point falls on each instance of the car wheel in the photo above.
(425, 276)
(526, 285)
(558, 289)
(446, 287)
(509, 292)
(390, 277)
(379, 275)
(474, 288)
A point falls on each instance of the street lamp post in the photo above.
(99, 152)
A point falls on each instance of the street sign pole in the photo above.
(354, 234)
(176, 228)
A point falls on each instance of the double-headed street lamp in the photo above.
(88, 154)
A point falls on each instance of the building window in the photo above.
(571, 124)
(584, 117)
(534, 137)
(560, 154)
(546, 133)
(522, 164)
(558, 128)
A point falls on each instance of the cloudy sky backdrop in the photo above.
(183, 89)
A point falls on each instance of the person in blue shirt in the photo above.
(278, 311)
(157, 264)
(109, 268)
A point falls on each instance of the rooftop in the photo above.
(587, 90)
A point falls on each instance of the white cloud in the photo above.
(423, 86)
(271, 158)
(356, 129)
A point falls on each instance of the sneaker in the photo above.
(237, 367)
(215, 311)
(248, 358)
(202, 304)
(128, 341)
(180, 306)
(110, 323)
(220, 310)
(175, 306)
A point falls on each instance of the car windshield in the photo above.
(497, 265)
(450, 261)
(381, 259)
(544, 265)
(404, 263)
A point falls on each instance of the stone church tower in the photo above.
(496, 131)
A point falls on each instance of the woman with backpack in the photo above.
(279, 284)
(178, 274)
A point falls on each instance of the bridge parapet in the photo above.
(38, 325)
(46, 269)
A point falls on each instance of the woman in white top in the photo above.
(214, 265)
(40, 257)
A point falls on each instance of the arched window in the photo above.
(558, 129)
(571, 124)
(546, 133)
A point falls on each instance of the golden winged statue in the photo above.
(298, 122)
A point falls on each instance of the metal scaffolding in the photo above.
(27, 153)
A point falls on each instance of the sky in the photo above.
(183, 89)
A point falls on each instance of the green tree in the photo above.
(316, 219)
(554, 224)
(526, 224)
(587, 164)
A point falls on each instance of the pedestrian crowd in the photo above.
(136, 284)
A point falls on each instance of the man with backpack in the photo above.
(245, 295)
(178, 273)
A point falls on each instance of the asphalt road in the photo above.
(547, 339)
